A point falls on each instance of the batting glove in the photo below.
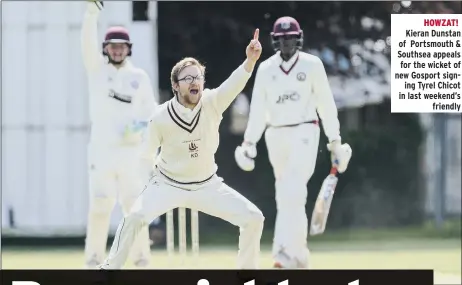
(245, 155)
(340, 155)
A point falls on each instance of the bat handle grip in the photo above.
(333, 170)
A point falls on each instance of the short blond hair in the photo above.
(182, 64)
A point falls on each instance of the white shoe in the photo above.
(282, 260)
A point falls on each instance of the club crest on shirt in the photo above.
(193, 148)
(301, 76)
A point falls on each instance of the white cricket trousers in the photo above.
(213, 198)
(114, 175)
(292, 153)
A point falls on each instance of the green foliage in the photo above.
(380, 186)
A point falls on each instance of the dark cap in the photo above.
(117, 35)
(286, 26)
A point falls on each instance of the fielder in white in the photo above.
(121, 101)
(186, 129)
(291, 89)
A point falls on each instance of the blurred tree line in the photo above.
(381, 186)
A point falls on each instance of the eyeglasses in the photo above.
(190, 79)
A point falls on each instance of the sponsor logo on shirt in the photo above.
(288, 96)
(120, 97)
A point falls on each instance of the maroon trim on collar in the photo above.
(292, 67)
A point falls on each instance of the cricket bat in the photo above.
(323, 202)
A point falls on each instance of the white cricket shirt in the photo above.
(290, 93)
(121, 100)
(189, 138)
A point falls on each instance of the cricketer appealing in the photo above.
(186, 128)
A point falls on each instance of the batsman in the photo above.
(291, 89)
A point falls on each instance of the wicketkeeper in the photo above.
(121, 101)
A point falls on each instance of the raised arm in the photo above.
(231, 87)
(257, 123)
(325, 103)
(89, 38)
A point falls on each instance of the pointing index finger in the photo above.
(256, 34)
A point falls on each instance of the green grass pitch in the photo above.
(444, 256)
